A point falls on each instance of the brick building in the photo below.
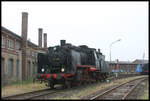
(19, 55)
(126, 66)
(140, 61)
(123, 65)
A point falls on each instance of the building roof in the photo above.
(120, 62)
(17, 36)
(137, 61)
(140, 61)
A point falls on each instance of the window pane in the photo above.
(17, 64)
(18, 45)
(28, 69)
(10, 67)
(29, 52)
(3, 41)
(10, 44)
(2, 69)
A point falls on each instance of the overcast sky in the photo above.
(96, 24)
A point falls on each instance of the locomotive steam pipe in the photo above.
(62, 42)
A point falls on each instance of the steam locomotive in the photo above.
(70, 65)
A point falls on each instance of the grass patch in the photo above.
(18, 82)
(18, 87)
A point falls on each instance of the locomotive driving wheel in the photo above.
(51, 85)
(68, 84)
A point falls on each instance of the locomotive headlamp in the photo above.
(62, 69)
(54, 48)
(57, 59)
(42, 69)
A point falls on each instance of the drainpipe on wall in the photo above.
(24, 43)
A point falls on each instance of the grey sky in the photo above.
(96, 24)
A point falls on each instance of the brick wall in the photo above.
(126, 67)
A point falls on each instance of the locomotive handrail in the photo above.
(86, 66)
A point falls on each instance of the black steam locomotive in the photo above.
(70, 65)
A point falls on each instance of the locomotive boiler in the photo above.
(71, 65)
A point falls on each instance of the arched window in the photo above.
(10, 67)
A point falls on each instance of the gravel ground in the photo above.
(143, 88)
(138, 92)
(145, 96)
(108, 87)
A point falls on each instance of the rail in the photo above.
(107, 92)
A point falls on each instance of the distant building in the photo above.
(126, 66)
(140, 61)
(18, 55)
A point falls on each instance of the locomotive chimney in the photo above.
(45, 40)
(99, 51)
(40, 37)
(24, 43)
(62, 42)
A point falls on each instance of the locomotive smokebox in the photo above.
(62, 42)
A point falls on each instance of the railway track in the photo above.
(32, 95)
(121, 91)
(41, 93)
